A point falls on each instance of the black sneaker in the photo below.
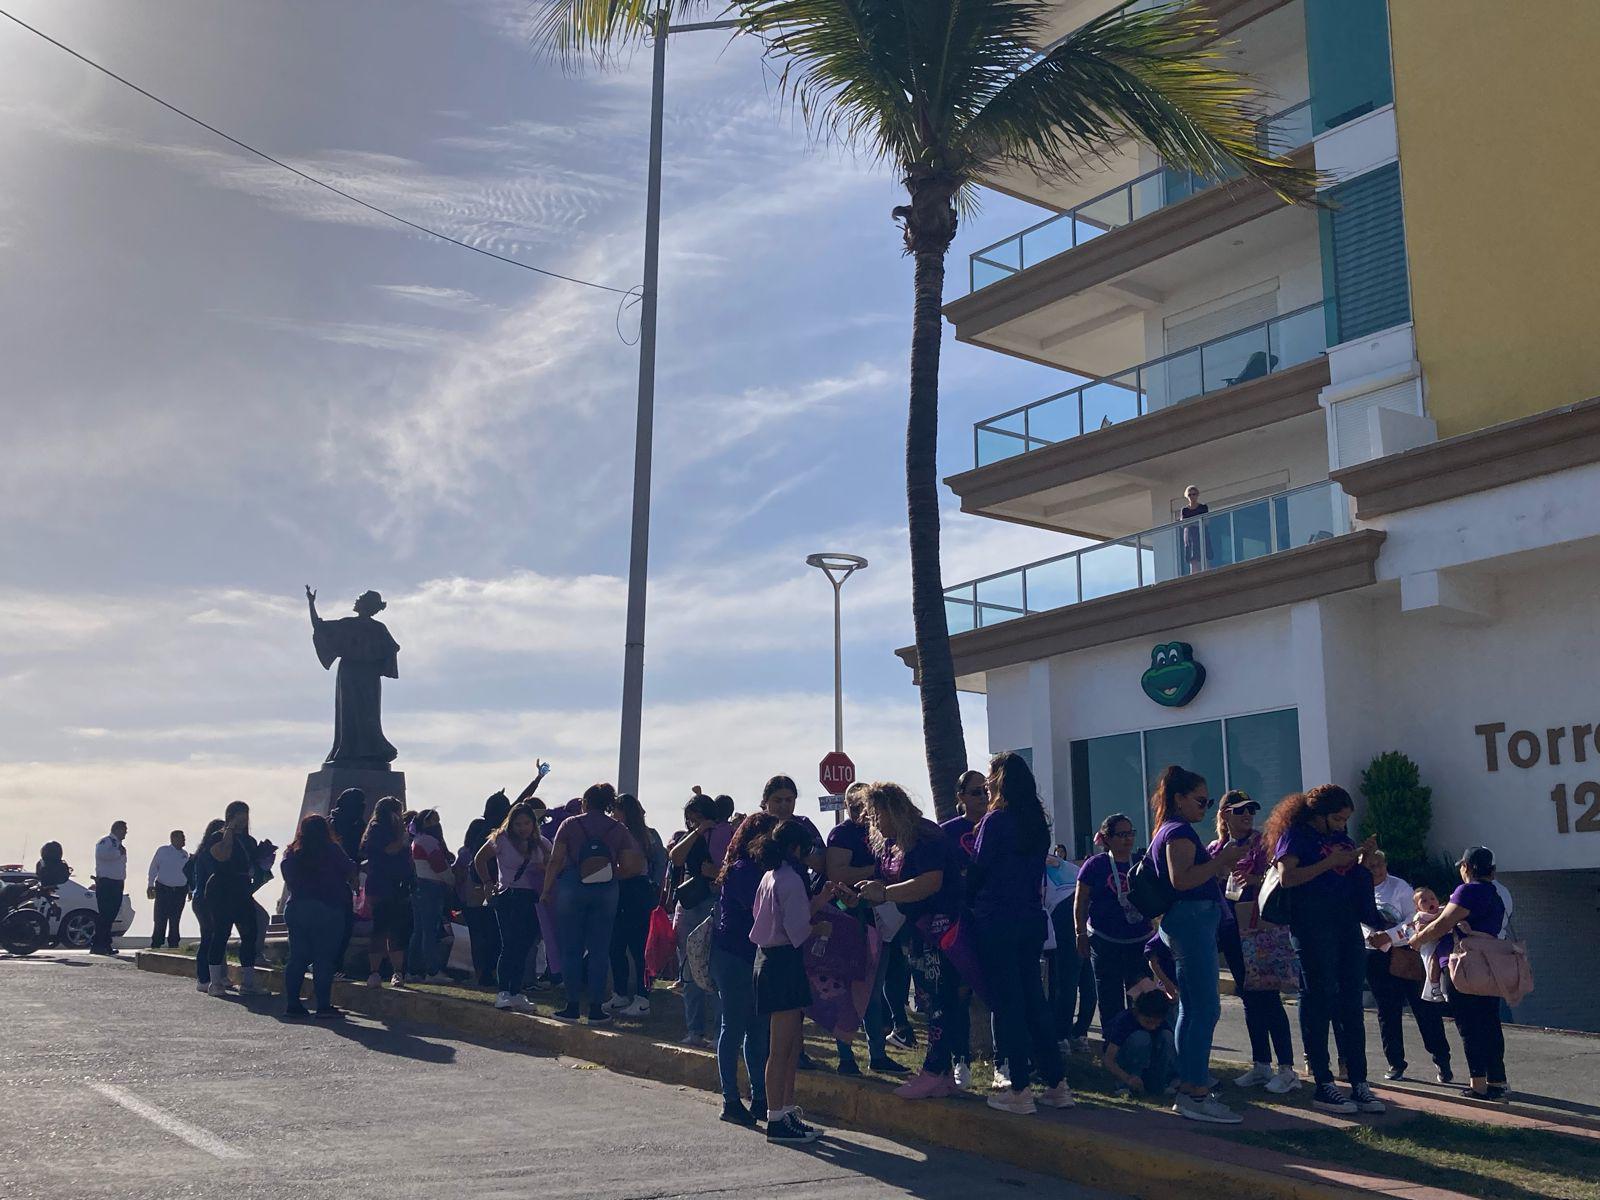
(1330, 1099)
(1469, 1093)
(1394, 1073)
(569, 1013)
(849, 1066)
(903, 1036)
(735, 1113)
(1498, 1091)
(788, 1129)
(328, 1014)
(758, 1112)
(598, 1015)
(1445, 1075)
(1364, 1098)
(296, 1010)
(888, 1066)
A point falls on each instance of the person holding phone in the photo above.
(1331, 893)
(1264, 1015)
(230, 898)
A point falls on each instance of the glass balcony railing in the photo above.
(1124, 204)
(1249, 353)
(1236, 534)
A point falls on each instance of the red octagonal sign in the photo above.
(836, 772)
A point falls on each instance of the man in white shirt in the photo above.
(110, 876)
(169, 888)
(1392, 993)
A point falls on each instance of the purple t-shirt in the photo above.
(1005, 880)
(1486, 913)
(1112, 915)
(1158, 952)
(1182, 831)
(735, 912)
(1309, 848)
(961, 832)
(323, 877)
(1122, 1027)
(932, 852)
(852, 836)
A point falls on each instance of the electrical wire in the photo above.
(277, 162)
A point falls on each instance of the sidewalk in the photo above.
(1424, 1149)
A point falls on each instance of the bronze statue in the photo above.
(366, 654)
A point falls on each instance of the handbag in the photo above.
(697, 954)
(1273, 901)
(1270, 962)
(660, 947)
(1406, 963)
(1480, 965)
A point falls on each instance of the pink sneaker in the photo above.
(926, 1086)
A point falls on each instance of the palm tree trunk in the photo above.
(943, 741)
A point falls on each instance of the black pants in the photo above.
(1393, 995)
(1025, 1037)
(897, 986)
(108, 903)
(938, 987)
(232, 907)
(169, 908)
(1264, 1015)
(1333, 958)
(635, 901)
(1072, 998)
(483, 928)
(1478, 1020)
(1116, 967)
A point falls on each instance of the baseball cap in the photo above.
(1477, 859)
(1237, 801)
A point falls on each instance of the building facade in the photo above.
(1384, 402)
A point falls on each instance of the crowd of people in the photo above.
(576, 896)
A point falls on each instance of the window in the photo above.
(1364, 278)
(1347, 59)
(1259, 753)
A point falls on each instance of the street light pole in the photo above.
(838, 568)
(644, 426)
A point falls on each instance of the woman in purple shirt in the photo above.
(733, 964)
(1189, 929)
(1474, 906)
(317, 873)
(1004, 896)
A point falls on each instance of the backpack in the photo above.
(1148, 891)
(595, 861)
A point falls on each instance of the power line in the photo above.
(278, 162)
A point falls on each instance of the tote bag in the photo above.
(1270, 963)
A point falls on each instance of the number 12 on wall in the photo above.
(1585, 794)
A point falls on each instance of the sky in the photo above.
(223, 384)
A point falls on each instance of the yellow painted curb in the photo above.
(1056, 1148)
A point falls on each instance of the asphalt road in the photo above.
(118, 1083)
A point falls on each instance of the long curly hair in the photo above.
(891, 817)
(1321, 801)
(756, 825)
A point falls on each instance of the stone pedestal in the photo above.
(323, 788)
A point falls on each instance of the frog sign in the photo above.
(1174, 678)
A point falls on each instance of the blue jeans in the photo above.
(1190, 930)
(585, 913)
(517, 911)
(1333, 957)
(1150, 1056)
(315, 933)
(694, 997)
(425, 954)
(202, 954)
(1024, 1033)
(742, 1028)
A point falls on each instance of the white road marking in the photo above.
(178, 1128)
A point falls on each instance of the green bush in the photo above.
(1398, 813)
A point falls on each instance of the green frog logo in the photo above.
(1174, 678)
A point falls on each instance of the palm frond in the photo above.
(571, 29)
(1159, 76)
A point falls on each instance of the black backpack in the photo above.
(595, 861)
(1150, 893)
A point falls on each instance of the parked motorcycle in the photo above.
(23, 928)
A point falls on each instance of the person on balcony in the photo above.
(1196, 538)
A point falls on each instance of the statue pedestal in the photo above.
(323, 788)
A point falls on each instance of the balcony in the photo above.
(1122, 205)
(1238, 534)
(1251, 353)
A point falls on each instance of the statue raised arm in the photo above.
(366, 654)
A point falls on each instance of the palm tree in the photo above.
(946, 92)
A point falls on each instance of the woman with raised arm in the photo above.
(515, 857)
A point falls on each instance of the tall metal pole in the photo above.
(838, 671)
(644, 434)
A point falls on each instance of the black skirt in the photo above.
(781, 983)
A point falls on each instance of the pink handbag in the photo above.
(1481, 965)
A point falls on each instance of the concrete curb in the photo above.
(1138, 1168)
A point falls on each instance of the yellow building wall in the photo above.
(1498, 108)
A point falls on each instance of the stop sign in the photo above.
(836, 772)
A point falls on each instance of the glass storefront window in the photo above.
(1264, 757)
(1107, 777)
(1197, 747)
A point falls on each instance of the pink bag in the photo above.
(363, 903)
(1481, 965)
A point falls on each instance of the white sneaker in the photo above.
(639, 1006)
(1208, 1109)
(1020, 1103)
(520, 1003)
(1059, 1096)
(1284, 1081)
(397, 980)
(502, 1000)
(961, 1073)
(617, 1003)
(1258, 1074)
(1002, 1079)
